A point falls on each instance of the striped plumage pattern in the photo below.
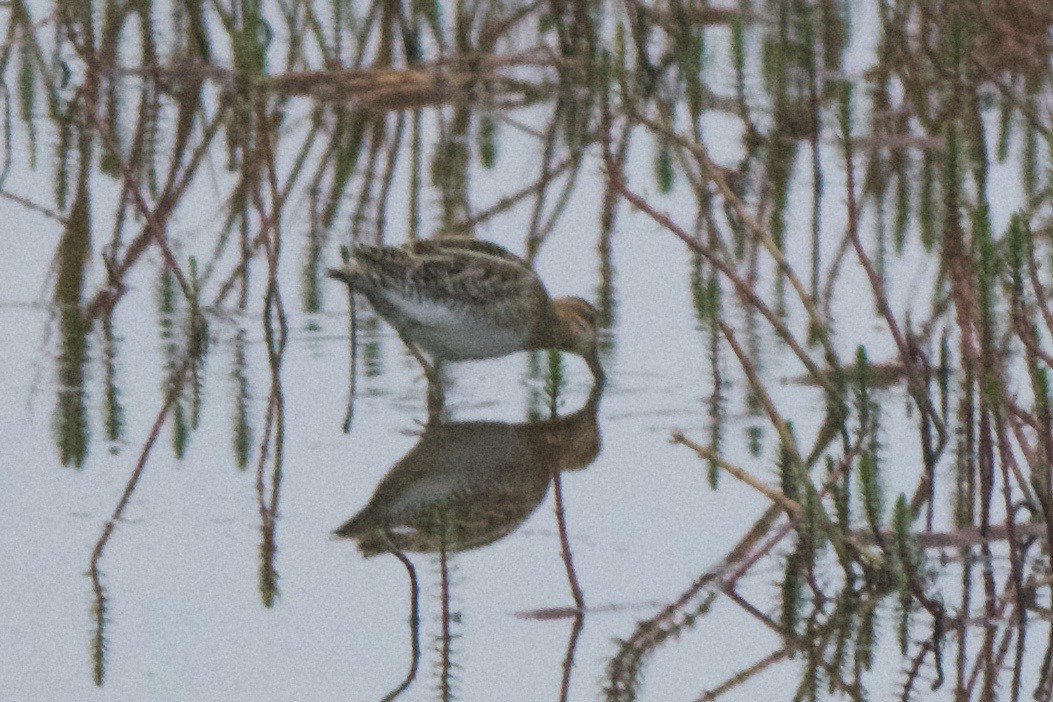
(460, 298)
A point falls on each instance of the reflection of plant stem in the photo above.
(760, 616)
(738, 473)
(568, 657)
(534, 235)
(274, 425)
(757, 386)
(175, 387)
(388, 177)
(156, 224)
(242, 431)
(509, 201)
(744, 289)
(961, 663)
(98, 641)
(444, 596)
(1044, 688)
(415, 180)
(275, 338)
(746, 674)
(989, 660)
(716, 175)
(251, 247)
(376, 143)
(564, 542)
(917, 387)
(108, 296)
(113, 414)
(915, 669)
(814, 132)
(414, 622)
(34, 207)
(352, 382)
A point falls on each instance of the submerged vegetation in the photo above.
(862, 136)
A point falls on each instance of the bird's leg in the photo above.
(417, 353)
(436, 391)
(433, 373)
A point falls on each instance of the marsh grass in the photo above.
(140, 97)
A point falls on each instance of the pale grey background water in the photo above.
(185, 619)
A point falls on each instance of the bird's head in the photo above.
(579, 320)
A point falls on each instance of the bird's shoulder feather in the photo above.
(470, 271)
(466, 246)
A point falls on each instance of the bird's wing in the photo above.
(465, 244)
(457, 273)
(467, 276)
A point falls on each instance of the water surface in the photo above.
(189, 415)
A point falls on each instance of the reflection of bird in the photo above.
(460, 299)
(467, 484)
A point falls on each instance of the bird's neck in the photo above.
(554, 330)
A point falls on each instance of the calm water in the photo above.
(222, 578)
(185, 619)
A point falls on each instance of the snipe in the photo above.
(458, 299)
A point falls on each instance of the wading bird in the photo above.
(457, 299)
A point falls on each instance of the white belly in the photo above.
(455, 334)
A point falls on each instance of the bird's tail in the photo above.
(361, 523)
(371, 266)
(345, 273)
